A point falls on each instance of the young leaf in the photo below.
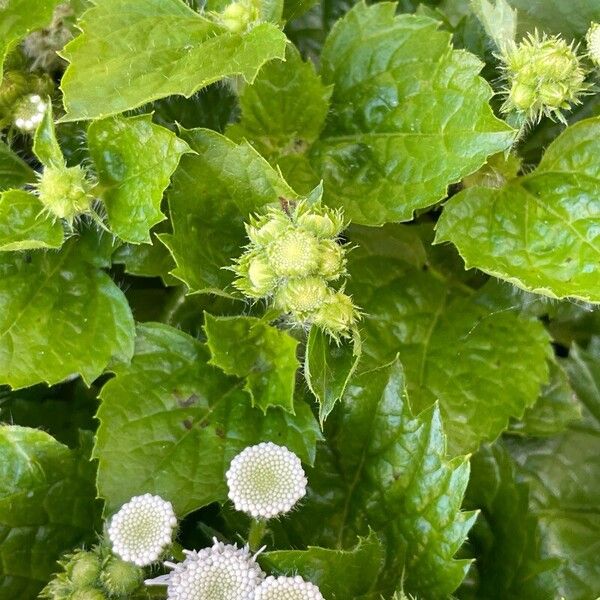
(18, 18)
(45, 144)
(284, 110)
(134, 51)
(180, 421)
(14, 172)
(263, 355)
(387, 470)
(24, 225)
(328, 368)
(539, 230)
(134, 160)
(337, 573)
(410, 115)
(61, 315)
(498, 19)
(212, 194)
(47, 506)
(483, 366)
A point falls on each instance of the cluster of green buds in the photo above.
(95, 574)
(65, 192)
(293, 257)
(239, 16)
(592, 39)
(544, 76)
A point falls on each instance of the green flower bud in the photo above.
(337, 315)
(238, 16)
(256, 278)
(592, 39)
(59, 588)
(332, 260)
(544, 76)
(120, 578)
(83, 569)
(88, 593)
(65, 192)
(325, 224)
(267, 229)
(302, 297)
(294, 254)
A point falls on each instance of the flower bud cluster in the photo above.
(292, 259)
(544, 76)
(94, 575)
(239, 16)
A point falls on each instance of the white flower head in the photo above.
(142, 529)
(287, 588)
(266, 480)
(223, 572)
(29, 112)
(593, 43)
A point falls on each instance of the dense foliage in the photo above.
(315, 279)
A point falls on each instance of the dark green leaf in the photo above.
(14, 172)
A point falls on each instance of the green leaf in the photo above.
(506, 538)
(18, 18)
(61, 315)
(180, 421)
(285, 108)
(409, 115)
(45, 144)
(131, 52)
(483, 366)
(387, 470)
(337, 573)
(555, 409)
(212, 194)
(14, 172)
(47, 506)
(262, 355)
(539, 230)
(328, 368)
(134, 160)
(24, 225)
(583, 368)
(498, 19)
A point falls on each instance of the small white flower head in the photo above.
(266, 480)
(142, 529)
(29, 112)
(593, 43)
(221, 572)
(287, 588)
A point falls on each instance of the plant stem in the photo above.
(257, 531)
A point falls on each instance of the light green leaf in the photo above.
(61, 315)
(45, 144)
(14, 172)
(505, 539)
(387, 470)
(337, 573)
(539, 231)
(328, 368)
(285, 108)
(180, 421)
(409, 116)
(24, 225)
(134, 51)
(212, 195)
(134, 160)
(47, 506)
(18, 18)
(261, 354)
(483, 366)
(498, 19)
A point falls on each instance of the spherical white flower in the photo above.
(265, 480)
(287, 588)
(142, 529)
(222, 572)
(29, 112)
(593, 43)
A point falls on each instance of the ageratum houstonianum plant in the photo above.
(298, 300)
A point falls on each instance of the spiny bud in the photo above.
(142, 529)
(223, 571)
(256, 278)
(120, 578)
(302, 297)
(294, 254)
(238, 16)
(322, 222)
(265, 480)
(337, 315)
(29, 112)
(65, 192)
(544, 77)
(83, 569)
(332, 260)
(287, 588)
(89, 593)
(592, 39)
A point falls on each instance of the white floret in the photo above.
(142, 529)
(266, 480)
(287, 588)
